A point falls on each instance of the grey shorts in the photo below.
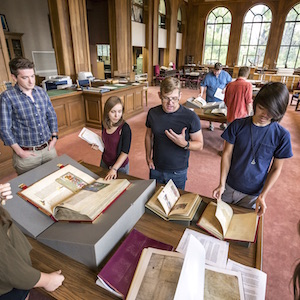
(233, 196)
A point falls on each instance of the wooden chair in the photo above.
(296, 97)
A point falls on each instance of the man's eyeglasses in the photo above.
(169, 99)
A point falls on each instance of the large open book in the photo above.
(170, 205)
(118, 272)
(170, 275)
(220, 221)
(92, 138)
(70, 194)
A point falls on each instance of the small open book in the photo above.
(170, 205)
(222, 112)
(220, 221)
(199, 102)
(92, 138)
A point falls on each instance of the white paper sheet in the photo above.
(168, 196)
(92, 138)
(254, 280)
(219, 94)
(216, 250)
(191, 281)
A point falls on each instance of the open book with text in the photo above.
(70, 194)
(170, 205)
(220, 221)
(170, 275)
(199, 102)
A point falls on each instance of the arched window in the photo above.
(217, 36)
(162, 14)
(256, 29)
(179, 20)
(289, 55)
(137, 10)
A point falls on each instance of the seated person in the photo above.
(17, 276)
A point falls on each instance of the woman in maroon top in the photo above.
(116, 136)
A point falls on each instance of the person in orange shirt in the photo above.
(238, 96)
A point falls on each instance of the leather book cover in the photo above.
(119, 270)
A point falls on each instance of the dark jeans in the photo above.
(178, 177)
(15, 294)
(124, 170)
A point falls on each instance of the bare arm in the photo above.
(50, 281)
(149, 148)
(202, 89)
(225, 165)
(196, 142)
(249, 109)
(270, 181)
(112, 173)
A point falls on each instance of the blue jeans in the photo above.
(124, 170)
(178, 177)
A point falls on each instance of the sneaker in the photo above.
(223, 126)
(211, 127)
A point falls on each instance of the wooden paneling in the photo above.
(70, 112)
(61, 114)
(93, 110)
(94, 103)
(4, 58)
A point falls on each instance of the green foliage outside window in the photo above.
(289, 53)
(217, 36)
(255, 35)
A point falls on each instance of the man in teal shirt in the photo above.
(215, 79)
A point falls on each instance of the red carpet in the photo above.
(281, 242)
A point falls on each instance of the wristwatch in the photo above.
(54, 136)
(187, 145)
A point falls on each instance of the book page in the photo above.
(156, 275)
(224, 214)
(209, 222)
(168, 196)
(184, 205)
(154, 204)
(216, 251)
(219, 94)
(254, 280)
(243, 227)
(92, 138)
(48, 192)
(191, 281)
(223, 284)
(219, 112)
(92, 200)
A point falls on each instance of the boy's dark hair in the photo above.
(244, 72)
(109, 104)
(18, 63)
(273, 96)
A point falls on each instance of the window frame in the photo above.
(212, 60)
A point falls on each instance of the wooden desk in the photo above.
(80, 281)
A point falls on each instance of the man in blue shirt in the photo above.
(216, 79)
(27, 119)
(255, 149)
(172, 131)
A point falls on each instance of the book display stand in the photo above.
(86, 243)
